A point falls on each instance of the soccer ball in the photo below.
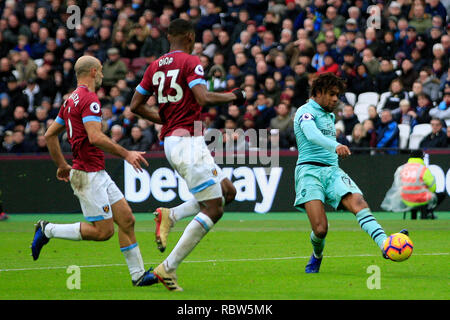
(398, 247)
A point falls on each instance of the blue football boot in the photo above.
(313, 265)
(39, 240)
(147, 279)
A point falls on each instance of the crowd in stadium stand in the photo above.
(394, 56)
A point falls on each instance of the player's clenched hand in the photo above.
(240, 96)
(135, 158)
(63, 173)
(343, 151)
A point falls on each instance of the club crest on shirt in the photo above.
(106, 208)
(214, 172)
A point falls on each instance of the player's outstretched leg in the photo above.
(212, 211)
(356, 204)
(45, 230)
(314, 262)
(39, 239)
(319, 224)
(166, 218)
(124, 218)
(98, 231)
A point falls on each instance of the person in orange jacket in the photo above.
(414, 189)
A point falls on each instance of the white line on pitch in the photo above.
(218, 261)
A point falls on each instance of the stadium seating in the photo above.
(361, 110)
(382, 100)
(137, 64)
(418, 133)
(405, 130)
(368, 97)
(351, 98)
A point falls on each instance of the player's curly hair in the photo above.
(180, 27)
(327, 81)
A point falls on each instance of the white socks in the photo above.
(63, 231)
(134, 260)
(194, 232)
(186, 209)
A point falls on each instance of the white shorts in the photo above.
(190, 157)
(96, 192)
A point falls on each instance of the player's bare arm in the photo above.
(51, 136)
(140, 107)
(205, 97)
(99, 139)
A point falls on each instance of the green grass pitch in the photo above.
(246, 256)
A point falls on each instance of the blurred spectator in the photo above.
(19, 143)
(397, 93)
(34, 95)
(15, 93)
(430, 83)
(384, 78)
(435, 7)
(374, 117)
(272, 90)
(340, 135)
(371, 133)
(6, 110)
(408, 74)
(155, 45)
(329, 65)
(117, 133)
(283, 122)
(363, 81)
(420, 20)
(14, 29)
(26, 67)
(422, 111)
(440, 55)
(8, 142)
(405, 114)
(349, 119)
(417, 88)
(114, 69)
(359, 139)
(388, 46)
(318, 58)
(216, 79)
(442, 110)
(437, 138)
(388, 133)
(137, 141)
(126, 120)
(372, 63)
(20, 118)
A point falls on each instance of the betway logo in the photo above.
(164, 184)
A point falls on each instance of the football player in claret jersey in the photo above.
(177, 81)
(101, 200)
